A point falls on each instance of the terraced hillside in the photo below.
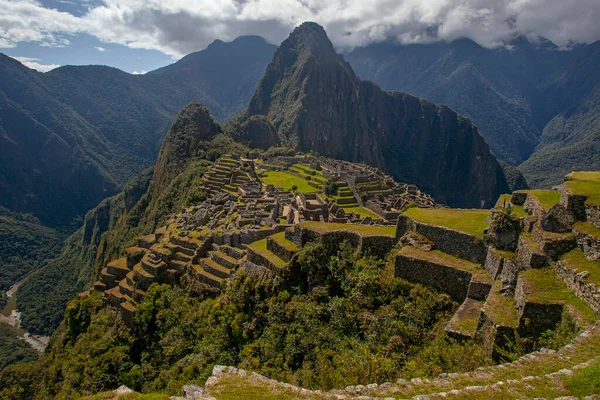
(511, 291)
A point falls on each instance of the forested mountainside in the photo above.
(315, 102)
(144, 203)
(534, 103)
(75, 135)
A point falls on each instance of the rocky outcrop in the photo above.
(316, 102)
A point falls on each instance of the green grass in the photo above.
(280, 238)
(576, 259)
(472, 222)
(285, 180)
(440, 257)
(585, 382)
(466, 319)
(363, 212)
(547, 198)
(593, 176)
(232, 387)
(589, 188)
(544, 286)
(369, 230)
(501, 309)
(587, 228)
(260, 247)
(519, 211)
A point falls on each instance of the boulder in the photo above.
(558, 219)
(193, 391)
(518, 198)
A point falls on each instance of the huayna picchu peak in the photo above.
(331, 240)
(316, 103)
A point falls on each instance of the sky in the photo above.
(141, 35)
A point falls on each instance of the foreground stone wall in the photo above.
(575, 280)
(453, 242)
(449, 280)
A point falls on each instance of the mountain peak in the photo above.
(309, 37)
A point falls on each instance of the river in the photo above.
(11, 316)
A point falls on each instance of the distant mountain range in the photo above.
(73, 136)
(534, 103)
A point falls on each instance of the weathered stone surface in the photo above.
(493, 262)
(574, 203)
(453, 242)
(453, 281)
(577, 282)
(589, 245)
(193, 392)
(535, 317)
(558, 219)
(509, 275)
(530, 253)
(518, 198)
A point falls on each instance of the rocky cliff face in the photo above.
(316, 102)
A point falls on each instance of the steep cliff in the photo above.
(316, 102)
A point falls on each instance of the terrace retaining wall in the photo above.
(446, 279)
(575, 280)
(458, 244)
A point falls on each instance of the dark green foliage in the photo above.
(331, 188)
(280, 151)
(13, 350)
(503, 219)
(340, 319)
(21, 381)
(43, 296)
(25, 244)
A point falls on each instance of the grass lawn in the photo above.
(518, 210)
(472, 222)
(547, 198)
(372, 230)
(587, 228)
(280, 238)
(576, 259)
(439, 257)
(260, 247)
(544, 286)
(285, 180)
(590, 188)
(501, 309)
(363, 212)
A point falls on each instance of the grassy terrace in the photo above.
(285, 180)
(280, 238)
(466, 318)
(586, 227)
(368, 230)
(518, 210)
(260, 247)
(586, 183)
(544, 286)
(363, 212)
(501, 309)
(439, 257)
(472, 222)
(547, 198)
(576, 259)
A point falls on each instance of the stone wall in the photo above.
(479, 290)
(446, 279)
(592, 214)
(495, 336)
(259, 259)
(589, 245)
(574, 203)
(555, 246)
(378, 246)
(452, 242)
(575, 280)
(530, 256)
(280, 251)
(493, 263)
(535, 318)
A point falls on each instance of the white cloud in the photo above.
(142, 72)
(100, 49)
(34, 64)
(177, 27)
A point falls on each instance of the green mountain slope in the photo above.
(571, 140)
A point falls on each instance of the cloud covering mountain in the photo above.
(177, 27)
